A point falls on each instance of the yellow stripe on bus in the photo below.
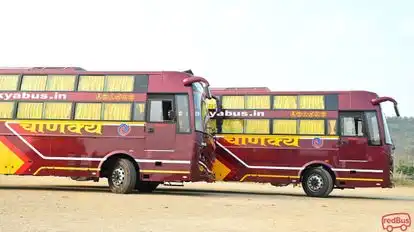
(264, 175)
(66, 168)
(361, 179)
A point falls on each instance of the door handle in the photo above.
(150, 130)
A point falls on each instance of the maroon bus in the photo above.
(138, 129)
(321, 140)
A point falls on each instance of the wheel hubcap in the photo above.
(315, 182)
(118, 176)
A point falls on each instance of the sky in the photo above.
(283, 45)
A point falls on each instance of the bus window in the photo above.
(332, 127)
(29, 110)
(257, 126)
(284, 126)
(119, 83)
(233, 102)
(33, 83)
(285, 102)
(257, 102)
(61, 83)
(183, 115)
(159, 110)
(351, 125)
(311, 102)
(312, 127)
(8, 82)
(6, 109)
(232, 126)
(88, 111)
(91, 83)
(57, 110)
(117, 111)
(139, 112)
(373, 128)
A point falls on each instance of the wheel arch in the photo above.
(316, 164)
(110, 159)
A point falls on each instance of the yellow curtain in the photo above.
(117, 111)
(257, 126)
(284, 126)
(285, 102)
(119, 83)
(212, 126)
(139, 112)
(91, 83)
(58, 110)
(29, 110)
(233, 102)
(34, 83)
(61, 83)
(232, 126)
(258, 102)
(88, 111)
(211, 103)
(332, 127)
(8, 82)
(313, 127)
(6, 109)
(311, 102)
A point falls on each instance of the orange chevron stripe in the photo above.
(17, 152)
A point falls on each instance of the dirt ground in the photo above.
(60, 204)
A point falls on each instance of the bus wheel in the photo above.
(146, 186)
(123, 177)
(317, 182)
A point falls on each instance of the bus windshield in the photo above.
(200, 107)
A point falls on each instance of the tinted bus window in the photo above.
(6, 109)
(61, 83)
(284, 126)
(232, 126)
(233, 102)
(34, 83)
(57, 110)
(119, 83)
(139, 112)
(311, 102)
(285, 102)
(88, 111)
(8, 82)
(257, 102)
(29, 110)
(117, 111)
(332, 127)
(312, 127)
(91, 83)
(257, 126)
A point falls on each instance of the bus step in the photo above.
(174, 184)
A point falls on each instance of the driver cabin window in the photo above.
(160, 110)
(351, 125)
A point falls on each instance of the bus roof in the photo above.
(76, 71)
(267, 91)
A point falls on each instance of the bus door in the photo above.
(353, 142)
(160, 127)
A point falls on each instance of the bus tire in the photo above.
(123, 177)
(317, 182)
(146, 186)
